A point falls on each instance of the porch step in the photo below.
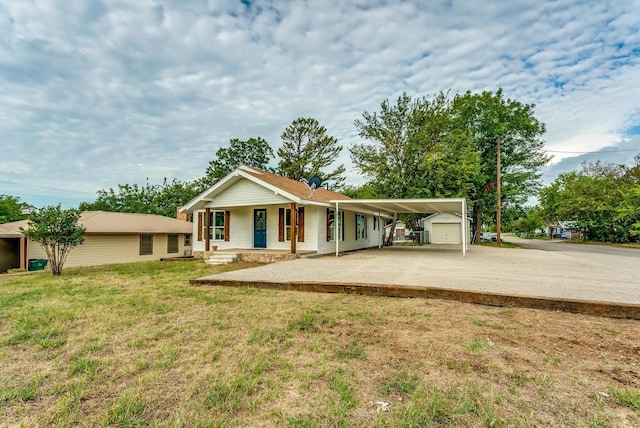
(222, 258)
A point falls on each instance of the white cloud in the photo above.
(100, 93)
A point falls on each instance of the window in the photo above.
(287, 224)
(331, 225)
(361, 226)
(146, 245)
(187, 239)
(375, 222)
(172, 243)
(216, 226)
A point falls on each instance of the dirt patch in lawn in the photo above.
(137, 346)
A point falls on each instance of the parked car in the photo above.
(485, 237)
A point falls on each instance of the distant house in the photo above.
(109, 238)
(445, 228)
(401, 233)
(564, 230)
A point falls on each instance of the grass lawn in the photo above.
(136, 345)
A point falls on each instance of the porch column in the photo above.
(23, 252)
(207, 225)
(292, 222)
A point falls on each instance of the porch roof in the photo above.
(387, 207)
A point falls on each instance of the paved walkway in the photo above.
(509, 271)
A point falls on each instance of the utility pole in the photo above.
(499, 212)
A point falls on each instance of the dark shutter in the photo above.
(301, 224)
(227, 217)
(280, 224)
(328, 225)
(342, 224)
(199, 226)
(357, 226)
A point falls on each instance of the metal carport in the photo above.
(387, 207)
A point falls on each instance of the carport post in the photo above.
(464, 227)
(336, 225)
(379, 232)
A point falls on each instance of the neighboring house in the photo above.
(445, 228)
(255, 209)
(109, 238)
(401, 233)
(564, 230)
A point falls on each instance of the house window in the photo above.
(187, 239)
(146, 245)
(331, 224)
(216, 226)
(287, 224)
(361, 226)
(172, 243)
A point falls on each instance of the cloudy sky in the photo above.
(94, 93)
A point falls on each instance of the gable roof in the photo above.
(104, 222)
(293, 190)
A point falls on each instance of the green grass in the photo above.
(137, 345)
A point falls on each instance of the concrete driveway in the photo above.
(520, 272)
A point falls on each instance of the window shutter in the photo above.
(301, 224)
(227, 217)
(328, 225)
(357, 227)
(342, 224)
(280, 224)
(199, 226)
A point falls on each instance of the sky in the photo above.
(96, 93)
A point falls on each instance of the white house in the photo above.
(446, 228)
(255, 209)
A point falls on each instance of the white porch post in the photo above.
(379, 232)
(464, 227)
(336, 225)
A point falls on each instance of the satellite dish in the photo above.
(315, 182)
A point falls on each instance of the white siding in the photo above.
(99, 249)
(350, 243)
(244, 193)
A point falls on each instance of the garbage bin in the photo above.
(37, 264)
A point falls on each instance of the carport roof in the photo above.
(390, 206)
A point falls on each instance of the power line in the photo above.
(599, 151)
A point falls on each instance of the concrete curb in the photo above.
(587, 307)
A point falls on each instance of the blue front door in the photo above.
(260, 228)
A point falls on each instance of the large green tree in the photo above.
(490, 119)
(10, 208)
(57, 231)
(413, 151)
(308, 150)
(254, 152)
(602, 198)
(161, 199)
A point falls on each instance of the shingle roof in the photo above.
(104, 222)
(296, 188)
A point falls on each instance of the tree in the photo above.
(254, 152)
(602, 198)
(57, 231)
(307, 150)
(413, 151)
(10, 209)
(157, 199)
(490, 119)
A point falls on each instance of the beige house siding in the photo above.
(99, 249)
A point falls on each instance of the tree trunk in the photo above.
(389, 240)
(477, 222)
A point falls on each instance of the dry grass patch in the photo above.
(136, 345)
